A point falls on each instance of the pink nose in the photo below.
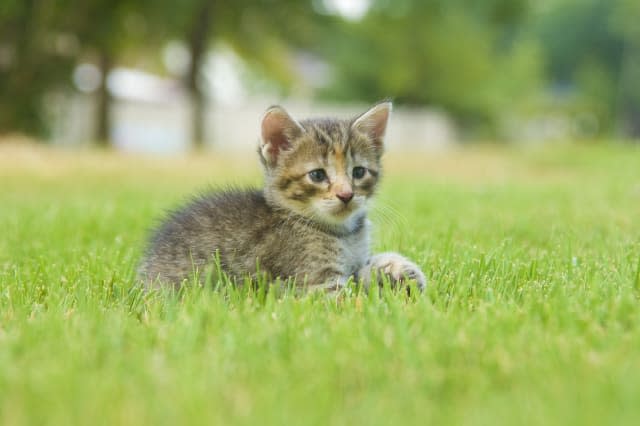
(345, 196)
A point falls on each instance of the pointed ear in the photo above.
(373, 123)
(278, 130)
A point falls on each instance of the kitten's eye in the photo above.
(318, 175)
(358, 172)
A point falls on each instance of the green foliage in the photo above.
(465, 59)
(592, 48)
(132, 31)
(480, 61)
(531, 315)
(41, 42)
(485, 60)
(31, 63)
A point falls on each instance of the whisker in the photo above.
(389, 216)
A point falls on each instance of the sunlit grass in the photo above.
(531, 314)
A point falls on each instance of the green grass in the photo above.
(531, 316)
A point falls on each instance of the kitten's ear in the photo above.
(278, 131)
(373, 123)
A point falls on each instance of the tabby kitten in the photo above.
(308, 223)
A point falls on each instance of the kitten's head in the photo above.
(323, 169)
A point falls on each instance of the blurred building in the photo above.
(153, 114)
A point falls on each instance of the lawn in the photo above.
(531, 315)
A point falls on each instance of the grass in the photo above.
(531, 315)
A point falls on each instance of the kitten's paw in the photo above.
(397, 268)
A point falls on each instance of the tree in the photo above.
(260, 31)
(105, 28)
(467, 58)
(593, 50)
(35, 56)
(625, 20)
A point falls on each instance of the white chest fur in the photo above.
(354, 249)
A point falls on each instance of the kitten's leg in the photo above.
(328, 280)
(396, 267)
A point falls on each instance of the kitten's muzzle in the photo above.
(345, 196)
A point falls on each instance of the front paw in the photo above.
(397, 268)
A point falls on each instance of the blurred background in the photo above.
(165, 76)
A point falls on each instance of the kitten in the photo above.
(308, 223)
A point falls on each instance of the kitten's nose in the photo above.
(345, 196)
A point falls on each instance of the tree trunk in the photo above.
(198, 38)
(198, 111)
(103, 112)
(633, 122)
(22, 84)
(628, 105)
(633, 102)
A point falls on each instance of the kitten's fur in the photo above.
(299, 226)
